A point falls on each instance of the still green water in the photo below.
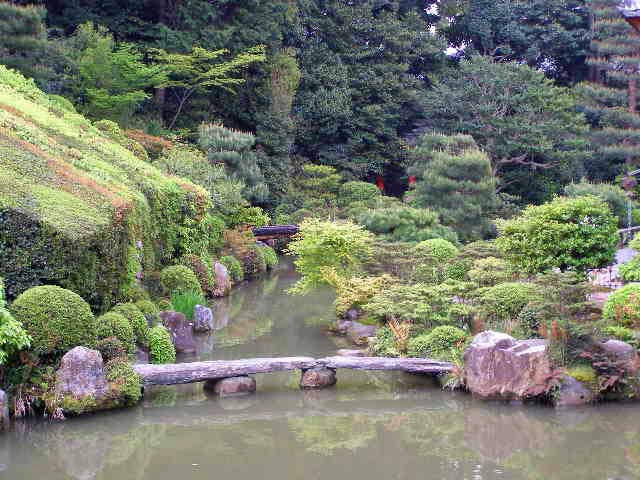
(371, 426)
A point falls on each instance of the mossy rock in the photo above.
(56, 319)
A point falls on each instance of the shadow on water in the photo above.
(371, 426)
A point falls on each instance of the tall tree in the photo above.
(551, 35)
(455, 180)
(529, 128)
(609, 99)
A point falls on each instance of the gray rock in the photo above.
(318, 378)
(231, 387)
(623, 353)
(181, 331)
(142, 356)
(358, 333)
(572, 393)
(222, 280)
(81, 374)
(497, 366)
(353, 314)
(202, 319)
(342, 326)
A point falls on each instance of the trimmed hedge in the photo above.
(79, 209)
(136, 319)
(150, 311)
(179, 279)
(56, 319)
(114, 324)
(161, 349)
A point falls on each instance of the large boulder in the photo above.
(497, 366)
(202, 319)
(358, 333)
(572, 393)
(81, 375)
(222, 280)
(622, 354)
(318, 378)
(181, 331)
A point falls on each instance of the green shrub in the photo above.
(252, 216)
(503, 302)
(270, 256)
(438, 343)
(431, 260)
(186, 302)
(56, 319)
(234, 267)
(623, 306)
(621, 333)
(150, 311)
(630, 271)
(111, 348)
(202, 268)
(161, 349)
(354, 292)
(113, 324)
(179, 279)
(385, 344)
(426, 305)
(136, 318)
(355, 192)
(124, 380)
(490, 271)
(615, 197)
(12, 336)
(164, 304)
(566, 233)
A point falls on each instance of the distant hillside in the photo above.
(77, 207)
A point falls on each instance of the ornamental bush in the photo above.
(234, 267)
(113, 324)
(124, 381)
(630, 271)
(56, 319)
(566, 233)
(490, 271)
(432, 259)
(270, 256)
(352, 192)
(354, 292)
(161, 349)
(111, 348)
(438, 343)
(136, 318)
(503, 302)
(12, 336)
(150, 311)
(623, 306)
(202, 268)
(179, 279)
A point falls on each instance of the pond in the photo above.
(371, 426)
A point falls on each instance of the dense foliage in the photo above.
(161, 349)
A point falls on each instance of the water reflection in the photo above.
(371, 426)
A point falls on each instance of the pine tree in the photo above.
(454, 179)
(23, 40)
(609, 98)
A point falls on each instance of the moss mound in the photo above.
(161, 349)
(136, 319)
(78, 208)
(113, 324)
(179, 279)
(57, 319)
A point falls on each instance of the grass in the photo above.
(186, 302)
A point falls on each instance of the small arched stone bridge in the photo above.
(215, 370)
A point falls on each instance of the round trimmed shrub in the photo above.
(161, 349)
(351, 192)
(234, 267)
(202, 269)
(623, 306)
(179, 279)
(432, 258)
(270, 256)
(505, 300)
(124, 380)
(150, 311)
(436, 248)
(113, 324)
(136, 318)
(490, 271)
(111, 348)
(438, 343)
(56, 319)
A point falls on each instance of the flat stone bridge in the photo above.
(271, 232)
(316, 373)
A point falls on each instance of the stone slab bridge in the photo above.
(272, 232)
(229, 377)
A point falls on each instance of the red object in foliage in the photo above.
(380, 183)
(412, 180)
